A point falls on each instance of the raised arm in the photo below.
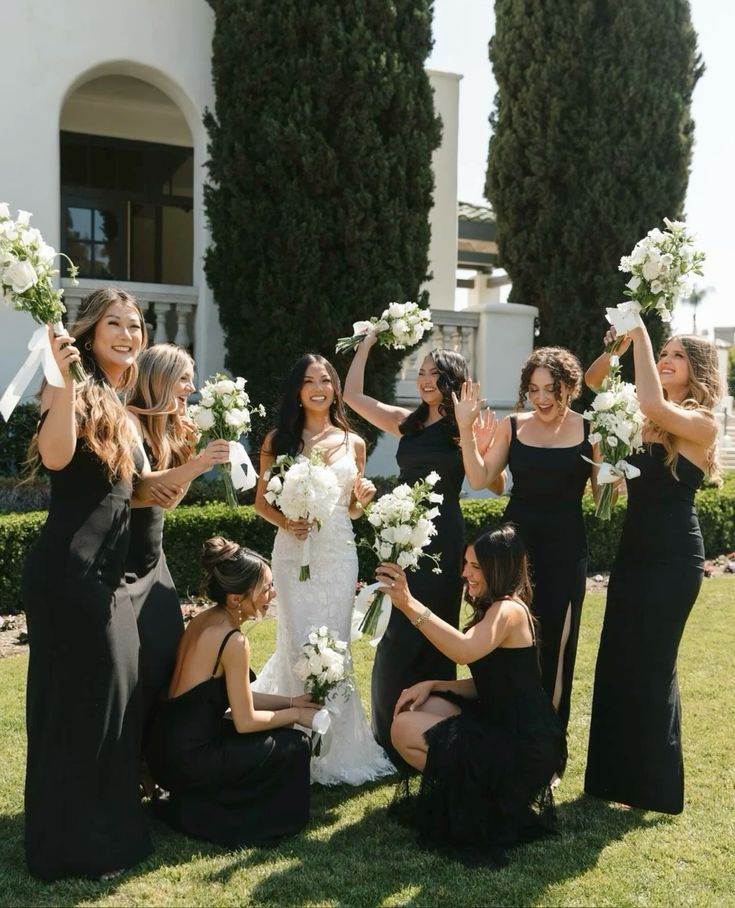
(57, 435)
(383, 416)
(596, 373)
(697, 426)
(483, 469)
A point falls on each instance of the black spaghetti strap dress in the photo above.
(156, 605)
(634, 754)
(546, 506)
(82, 803)
(404, 656)
(485, 786)
(230, 788)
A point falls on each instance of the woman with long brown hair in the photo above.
(82, 804)
(634, 754)
(157, 403)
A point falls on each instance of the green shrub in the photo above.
(15, 436)
(187, 527)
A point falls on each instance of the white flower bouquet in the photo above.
(224, 411)
(26, 283)
(303, 488)
(401, 325)
(403, 524)
(323, 668)
(661, 265)
(616, 422)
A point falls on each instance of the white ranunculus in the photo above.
(21, 276)
(204, 419)
(396, 310)
(603, 401)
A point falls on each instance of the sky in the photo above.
(462, 29)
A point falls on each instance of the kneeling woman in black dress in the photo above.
(241, 779)
(487, 746)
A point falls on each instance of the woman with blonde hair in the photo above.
(548, 452)
(634, 754)
(82, 806)
(157, 404)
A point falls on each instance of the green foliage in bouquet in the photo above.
(320, 180)
(591, 147)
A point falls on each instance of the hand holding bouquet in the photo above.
(323, 668)
(26, 283)
(224, 411)
(403, 524)
(617, 423)
(661, 265)
(302, 488)
(401, 325)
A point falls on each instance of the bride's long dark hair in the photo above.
(287, 435)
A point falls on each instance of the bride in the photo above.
(311, 416)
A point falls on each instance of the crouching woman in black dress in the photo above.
(487, 746)
(243, 778)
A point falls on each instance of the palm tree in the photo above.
(695, 299)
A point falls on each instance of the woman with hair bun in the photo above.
(243, 778)
(82, 804)
(635, 755)
(429, 441)
(548, 454)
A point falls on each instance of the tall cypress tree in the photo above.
(320, 175)
(591, 148)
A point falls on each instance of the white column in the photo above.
(161, 310)
(182, 328)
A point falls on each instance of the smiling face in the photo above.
(183, 387)
(317, 389)
(118, 338)
(476, 584)
(427, 382)
(541, 395)
(673, 369)
(256, 605)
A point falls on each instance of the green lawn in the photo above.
(352, 854)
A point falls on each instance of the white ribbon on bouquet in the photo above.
(362, 603)
(40, 354)
(624, 317)
(609, 472)
(242, 469)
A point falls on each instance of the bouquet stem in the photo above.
(305, 570)
(76, 370)
(369, 623)
(230, 491)
(604, 506)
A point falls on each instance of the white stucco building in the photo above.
(104, 142)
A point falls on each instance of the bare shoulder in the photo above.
(357, 442)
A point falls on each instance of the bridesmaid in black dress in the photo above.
(241, 779)
(158, 408)
(634, 754)
(429, 441)
(82, 805)
(548, 454)
(487, 746)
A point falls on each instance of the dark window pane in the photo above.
(73, 165)
(143, 243)
(105, 226)
(81, 255)
(78, 224)
(176, 245)
(102, 167)
(131, 170)
(182, 178)
(103, 262)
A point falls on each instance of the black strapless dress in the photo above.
(404, 656)
(230, 788)
(634, 754)
(156, 606)
(485, 786)
(82, 802)
(546, 506)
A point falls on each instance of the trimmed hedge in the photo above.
(186, 528)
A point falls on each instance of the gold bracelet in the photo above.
(417, 622)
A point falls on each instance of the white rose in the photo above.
(395, 310)
(323, 631)
(402, 534)
(225, 386)
(603, 401)
(236, 418)
(204, 419)
(313, 638)
(21, 276)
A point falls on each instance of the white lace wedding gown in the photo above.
(353, 756)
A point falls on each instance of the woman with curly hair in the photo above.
(634, 754)
(428, 441)
(82, 806)
(548, 453)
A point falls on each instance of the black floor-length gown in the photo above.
(230, 788)
(82, 804)
(546, 506)
(155, 603)
(634, 754)
(485, 786)
(404, 656)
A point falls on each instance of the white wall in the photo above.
(51, 48)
